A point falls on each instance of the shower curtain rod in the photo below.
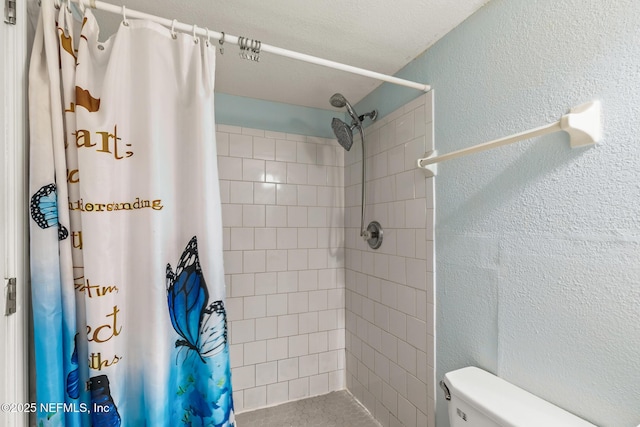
(228, 38)
(582, 123)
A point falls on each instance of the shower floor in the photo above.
(336, 409)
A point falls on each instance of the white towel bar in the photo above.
(582, 123)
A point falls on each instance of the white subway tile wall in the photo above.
(389, 291)
(283, 230)
(301, 283)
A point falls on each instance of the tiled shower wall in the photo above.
(389, 291)
(283, 222)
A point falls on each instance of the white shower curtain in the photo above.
(126, 233)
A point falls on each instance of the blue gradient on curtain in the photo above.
(54, 348)
(201, 392)
(47, 325)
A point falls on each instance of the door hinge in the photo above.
(10, 11)
(11, 303)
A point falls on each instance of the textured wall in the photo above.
(538, 245)
(389, 291)
(283, 217)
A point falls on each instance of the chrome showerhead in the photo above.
(343, 132)
(338, 100)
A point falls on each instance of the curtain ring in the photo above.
(125, 21)
(221, 41)
(254, 46)
(173, 29)
(208, 42)
(195, 37)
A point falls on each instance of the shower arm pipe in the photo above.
(582, 123)
(228, 38)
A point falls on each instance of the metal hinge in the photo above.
(10, 302)
(10, 11)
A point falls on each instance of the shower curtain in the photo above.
(126, 233)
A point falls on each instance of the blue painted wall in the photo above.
(538, 245)
(273, 116)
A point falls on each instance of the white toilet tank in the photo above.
(480, 399)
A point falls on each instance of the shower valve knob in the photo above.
(373, 235)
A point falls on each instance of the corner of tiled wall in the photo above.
(283, 223)
(390, 291)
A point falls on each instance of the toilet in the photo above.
(477, 398)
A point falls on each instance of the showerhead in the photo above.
(338, 100)
(343, 132)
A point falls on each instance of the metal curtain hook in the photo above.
(195, 38)
(173, 29)
(221, 41)
(125, 21)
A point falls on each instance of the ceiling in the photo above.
(379, 35)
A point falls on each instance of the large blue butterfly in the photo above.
(104, 412)
(44, 210)
(203, 328)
